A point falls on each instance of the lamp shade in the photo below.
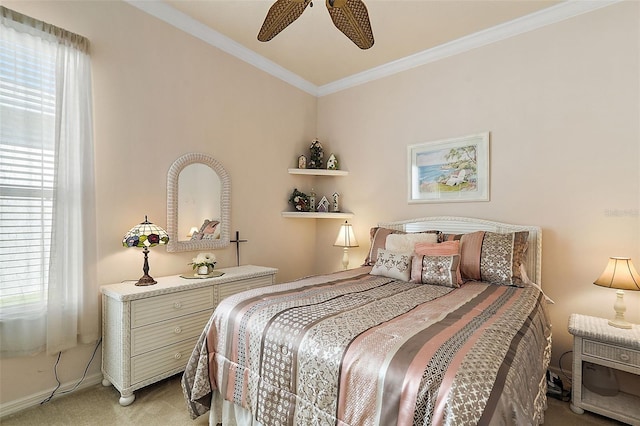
(145, 234)
(620, 274)
(346, 238)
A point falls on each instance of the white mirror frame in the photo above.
(174, 243)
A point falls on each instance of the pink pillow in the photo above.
(446, 248)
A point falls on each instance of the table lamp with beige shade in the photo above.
(621, 275)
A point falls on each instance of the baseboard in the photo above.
(13, 407)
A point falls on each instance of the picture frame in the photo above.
(449, 170)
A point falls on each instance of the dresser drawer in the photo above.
(159, 308)
(154, 336)
(228, 289)
(612, 353)
(150, 364)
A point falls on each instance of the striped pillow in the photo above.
(492, 257)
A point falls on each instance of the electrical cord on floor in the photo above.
(84, 375)
(560, 365)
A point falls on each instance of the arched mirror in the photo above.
(198, 204)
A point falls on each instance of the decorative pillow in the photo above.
(378, 240)
(436, 270)
(406, 242)
(446, 248)
(493, 257)
(393, 265)
(378, 237)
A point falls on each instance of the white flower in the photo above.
(203, 259)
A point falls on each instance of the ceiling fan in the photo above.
(349, 16)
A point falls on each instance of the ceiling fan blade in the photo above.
(280, 15)
(351, 17)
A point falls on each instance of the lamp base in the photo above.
(620, 324)
(620, 309)
(345, 258)
(146, 280)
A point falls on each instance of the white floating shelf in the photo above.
(317, 215)
(318, 172)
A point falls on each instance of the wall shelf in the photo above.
(318, 172)
(318, 215)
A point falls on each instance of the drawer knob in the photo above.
(177, 305)
(177, 330)
(178, 355)
(625, 357)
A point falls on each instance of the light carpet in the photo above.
(162, 404)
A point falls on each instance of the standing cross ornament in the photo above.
(237, 241)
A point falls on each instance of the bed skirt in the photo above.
(229, 414)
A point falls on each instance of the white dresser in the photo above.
(148, 333)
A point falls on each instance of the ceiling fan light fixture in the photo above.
(352, 18)
(349, 16)
(281, 14)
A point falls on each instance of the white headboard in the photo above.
(463, 225)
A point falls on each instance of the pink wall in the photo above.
(158, 94)
(562, 104)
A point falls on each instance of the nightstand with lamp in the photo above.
(601, 346)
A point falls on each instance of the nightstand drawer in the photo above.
(159, 308)
(150, 337)
(612, 353)
(160, 361)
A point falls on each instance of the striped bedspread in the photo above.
(357, 349)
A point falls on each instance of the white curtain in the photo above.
(69, 312)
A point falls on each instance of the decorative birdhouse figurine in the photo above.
(323, 205)
(312, 201)
(317, 155)
(336, 204)
(332, 162)
(302, 162)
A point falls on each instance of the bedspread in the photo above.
(371, 350)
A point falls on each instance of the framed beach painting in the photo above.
(449, 170)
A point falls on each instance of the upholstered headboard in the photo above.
(463, 225)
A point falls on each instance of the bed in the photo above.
(419, 335)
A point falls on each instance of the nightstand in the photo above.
(597, 342)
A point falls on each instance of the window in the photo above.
(27, 129)
(48, 285)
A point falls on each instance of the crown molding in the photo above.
(191, 26)
(560, 12)
(551, 15)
